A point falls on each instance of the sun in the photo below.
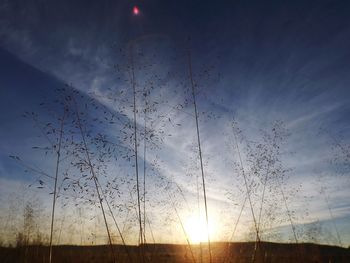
(197, 231)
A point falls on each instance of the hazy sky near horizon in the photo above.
(255, 61)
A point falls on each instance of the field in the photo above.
(238, 252)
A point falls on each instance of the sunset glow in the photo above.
(174, 131)
(196, 229)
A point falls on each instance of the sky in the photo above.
(270, 67)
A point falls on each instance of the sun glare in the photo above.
(196, 229)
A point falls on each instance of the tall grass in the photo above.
(248, 190)
(56, 177)
(199, 150)
(264, 180)
(92, 171)
(133, 82)
(183, 229)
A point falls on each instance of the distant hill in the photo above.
(221, 252)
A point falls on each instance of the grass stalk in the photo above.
(55, 184)
(117, 226)
(183, 229)
(94, 177)
(199, 151)
(248, 191)
(144, 173)
(136, 153)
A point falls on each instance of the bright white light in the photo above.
(196, 229)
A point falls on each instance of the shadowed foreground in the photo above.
(221, 252)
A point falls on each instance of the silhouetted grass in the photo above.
(238, 252)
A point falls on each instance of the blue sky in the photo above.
(257, 62)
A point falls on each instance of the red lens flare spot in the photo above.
(135, 10)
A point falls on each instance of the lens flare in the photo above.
(135, 10)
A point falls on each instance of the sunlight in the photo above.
(196, 229)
